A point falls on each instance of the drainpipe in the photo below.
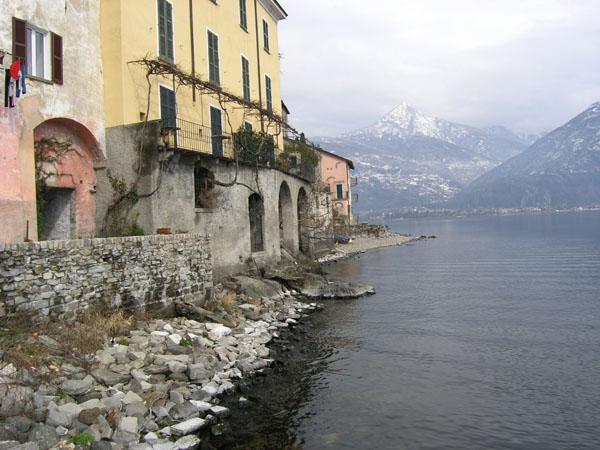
(262, 119)
(192, 47)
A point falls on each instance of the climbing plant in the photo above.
(48, 152)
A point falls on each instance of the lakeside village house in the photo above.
(158, 116)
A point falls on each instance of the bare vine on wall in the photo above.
(126, 194)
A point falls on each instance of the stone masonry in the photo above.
(55, 279)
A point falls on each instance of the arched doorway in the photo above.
(286, 218)
(256, 214)
(65, 153)
(303, 221)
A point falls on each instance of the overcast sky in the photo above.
(527, 64)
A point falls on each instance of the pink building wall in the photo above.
(336, 170)
(79, 100)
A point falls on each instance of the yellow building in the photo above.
(182, 78)
(231, 44)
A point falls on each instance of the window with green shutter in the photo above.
(266, 35)
(269, 91)
(165, 30)
(246, 78)
(213, 58)
(168, 107)
(243, 15)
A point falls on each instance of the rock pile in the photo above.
(158, 388)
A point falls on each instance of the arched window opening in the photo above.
(256, 213)
(204, 183)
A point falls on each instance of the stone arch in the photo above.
(303, 221)
(67, 198)
(256, 213)
(286, 218)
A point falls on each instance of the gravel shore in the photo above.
(364, 244)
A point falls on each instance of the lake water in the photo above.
(486, 337)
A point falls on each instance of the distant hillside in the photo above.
(410, 159)
(560, 170)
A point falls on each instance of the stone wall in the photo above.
(55, 279)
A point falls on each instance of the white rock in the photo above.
(188, 427)
(151, 438)
(218, 332)
(176, 366)
(132, 397)
(202, 406)
(139, 375)
(168, 327)
(128, 424)
(220, 411)
(210, 388)
(175, 338)
(226, 386)
(189, 442)
(163, 334)
(211, 326)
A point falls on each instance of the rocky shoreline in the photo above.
(161, 385)
(157, 388)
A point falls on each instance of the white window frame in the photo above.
(46, 52)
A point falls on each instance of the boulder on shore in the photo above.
(318, 287)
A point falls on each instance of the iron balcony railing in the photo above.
(186, 135)
(353, 181)
(251, 148)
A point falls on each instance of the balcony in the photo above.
(353, 181)
(185, 135)
(252, 148)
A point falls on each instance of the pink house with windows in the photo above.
(335, 174)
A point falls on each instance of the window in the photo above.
(269, 91)
(248, 127)
(256, 213)
(40, 50)
(204, 183)
(168, 107)
(213, 58)
(266, 35)
(165, 30)
(216, 131)
(339, 191)
(243, 15)
(36, 43)
(246, 78)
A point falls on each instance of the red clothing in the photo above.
(15, 68)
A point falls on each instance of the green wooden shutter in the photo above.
(269, 93)
(266, 34)
(169, 31)
(246, 78)
(243, 15)
(216, 128)
(165, 30)
(213, 58)
(168, 107)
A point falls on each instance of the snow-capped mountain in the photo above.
(410, 159)
(560, 170)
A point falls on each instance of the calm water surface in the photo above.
(487, 337)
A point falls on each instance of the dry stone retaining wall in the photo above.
(55, 279)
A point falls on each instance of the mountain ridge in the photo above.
(407, 158)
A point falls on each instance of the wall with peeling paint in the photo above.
(79, 99)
